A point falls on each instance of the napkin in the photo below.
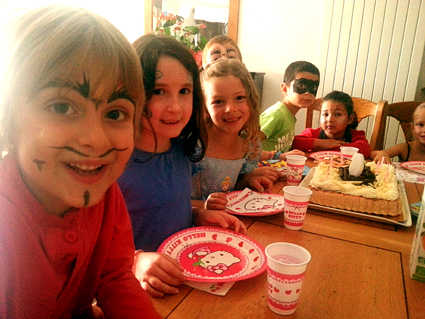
(249, 201)
(215, 288)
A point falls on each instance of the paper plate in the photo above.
(255, 204)
(320, 156)
(212, 254)
(414, 166)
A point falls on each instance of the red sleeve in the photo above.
(120, 294)
(358, 139)
(305, 140)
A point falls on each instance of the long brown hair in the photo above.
(150, 48)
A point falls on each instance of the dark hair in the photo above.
(346, 100)
(225, 67)
(150, 48)
(296, 67)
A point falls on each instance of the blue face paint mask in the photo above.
(302, 86)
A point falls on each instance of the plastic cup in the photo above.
(286, 266)
(348, 151)
(296, 203)
(294, 170)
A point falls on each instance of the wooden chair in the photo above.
(363, 108)
(403, 113)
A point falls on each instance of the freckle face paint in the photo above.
(39, 163)
(86, 198)
(302, 86)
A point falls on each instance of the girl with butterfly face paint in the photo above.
(71, 90)
(299, 89)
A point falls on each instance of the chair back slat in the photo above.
(403, 113)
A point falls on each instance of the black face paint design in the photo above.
(84, 88)
(302, 86)
(113, 149)
(39, 163)
(71, 149)
(86, 198)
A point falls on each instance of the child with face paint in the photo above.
(157, 181)
(299, 88)
(71, 90)
(234, 146)
(338, 123)
(220, 47)
(407, 151)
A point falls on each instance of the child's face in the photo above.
(171, 102)
(419, 125)
(302, 91)
(71, 148)
(218, 51)
(227, 103)
(334, 119)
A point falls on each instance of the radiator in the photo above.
(373, 49)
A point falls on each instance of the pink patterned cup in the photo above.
(294, 170)
(286, 266)
(296, 204)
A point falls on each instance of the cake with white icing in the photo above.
(374, 192)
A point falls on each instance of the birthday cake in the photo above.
(374, 191)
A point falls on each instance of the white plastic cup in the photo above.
(296, 203)
(348, 151)
(295, 167)
(286, 266)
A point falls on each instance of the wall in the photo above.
(272, 34)
(127, 15)
(276, 33)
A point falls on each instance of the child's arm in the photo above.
(306, 140)
(158, 274)
(265, 155)
(119, 294)
(395, 150)
(207, 217)
(358, 139)
(255, 182)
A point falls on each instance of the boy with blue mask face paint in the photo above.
(299, 88)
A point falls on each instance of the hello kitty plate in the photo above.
(212, 254)
(414, 166)
(250, 203)
(320, 156)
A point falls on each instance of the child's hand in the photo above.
(292, 152)
(379, 155)
(327, 144)
(158, 274)
(269, 172)
(203, 217)
(217, 201)
(257, 181)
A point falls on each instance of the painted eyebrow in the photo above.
(121, 94)
(84, 90)
(215, 51)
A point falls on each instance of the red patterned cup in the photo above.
(286, 266)
(294, 170)
(296, 203)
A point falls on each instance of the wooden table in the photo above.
(359, 269)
